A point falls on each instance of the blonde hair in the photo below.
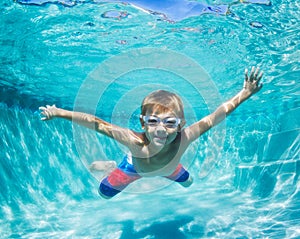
(163, 101)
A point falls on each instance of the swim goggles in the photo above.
(169, 122)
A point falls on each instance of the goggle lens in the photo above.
(169, 122)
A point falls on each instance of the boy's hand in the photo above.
(252, 82)
(49, 112)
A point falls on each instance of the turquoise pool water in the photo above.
(246, 171)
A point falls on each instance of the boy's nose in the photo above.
(161, 129)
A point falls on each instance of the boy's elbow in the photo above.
(208, 121)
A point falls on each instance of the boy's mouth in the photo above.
(161, 138)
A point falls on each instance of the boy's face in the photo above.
(161, 128)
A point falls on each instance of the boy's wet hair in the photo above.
(163, 101)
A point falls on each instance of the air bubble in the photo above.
(114, 14)
(256, 24)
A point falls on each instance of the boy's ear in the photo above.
(181, 125)
(142, 122)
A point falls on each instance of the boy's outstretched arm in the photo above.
(124, 136)
(251, 86)
(87, 120)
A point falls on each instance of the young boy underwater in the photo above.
(156, 151)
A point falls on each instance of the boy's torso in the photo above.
(162, 163)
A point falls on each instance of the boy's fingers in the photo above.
(246, 74)
(46, 111)
(256, 72)
(260, 76)
(252, 73)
